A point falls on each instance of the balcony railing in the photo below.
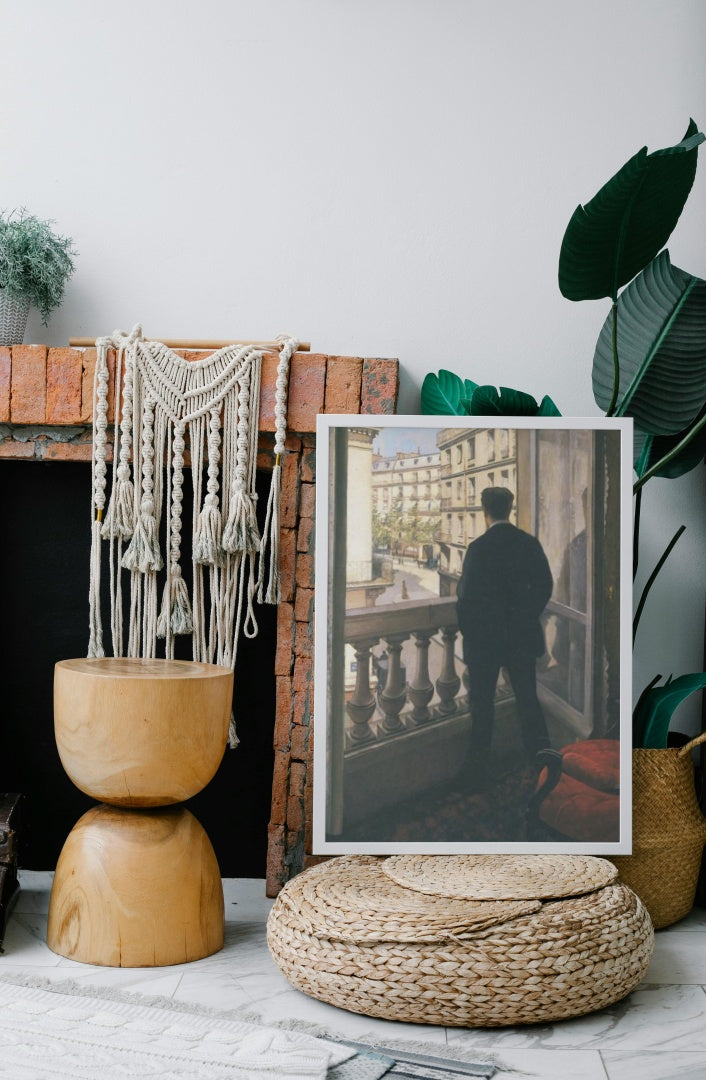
(392, 695)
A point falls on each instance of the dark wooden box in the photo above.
(10, 832)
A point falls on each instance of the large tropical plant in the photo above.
(650, 358)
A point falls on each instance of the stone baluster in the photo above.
(421, 690)
(362, 704)
(448, 683)
(394, 694)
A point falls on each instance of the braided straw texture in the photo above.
(668, 833)
(571, 957)
(501, 877)
(362, 904)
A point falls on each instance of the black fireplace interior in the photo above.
(44, 560)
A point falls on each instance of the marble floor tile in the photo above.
(679, 957)
(547, 1065)
(652, 1017)
(676, 1065)
(657, 1033)
(25, 942)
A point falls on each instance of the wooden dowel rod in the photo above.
(173, 343)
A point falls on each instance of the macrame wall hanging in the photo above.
(161, 400)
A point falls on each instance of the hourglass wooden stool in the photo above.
(137, 883)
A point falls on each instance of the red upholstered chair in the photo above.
(578, 792)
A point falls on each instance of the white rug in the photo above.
(52, 1032)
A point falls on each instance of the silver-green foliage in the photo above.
(35, 263)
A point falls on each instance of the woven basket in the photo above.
(668, 833)
(567, 958)
(13, 318)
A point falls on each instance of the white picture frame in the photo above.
(398, 503)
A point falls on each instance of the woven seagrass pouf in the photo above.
(349, 933)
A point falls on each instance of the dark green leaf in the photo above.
(661, 350)
(649, 449)
(547, 407)
(610, 239)
(442, 394)
(489, 401)
(654, 711)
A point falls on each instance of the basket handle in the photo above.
(691, 745)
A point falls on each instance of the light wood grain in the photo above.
(141, 732)
(136, 889)
(195, 343)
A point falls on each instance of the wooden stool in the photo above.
(137, 886)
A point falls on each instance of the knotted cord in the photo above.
(161, 400)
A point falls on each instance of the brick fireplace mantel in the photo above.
(46, 399)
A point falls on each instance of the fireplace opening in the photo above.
(44, 561)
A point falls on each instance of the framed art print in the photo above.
(473, 614)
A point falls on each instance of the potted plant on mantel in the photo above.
(650, 364)
(35, 264)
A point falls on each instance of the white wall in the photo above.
(383, 177)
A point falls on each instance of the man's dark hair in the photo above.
(497, 502)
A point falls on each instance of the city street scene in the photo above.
(472, 652)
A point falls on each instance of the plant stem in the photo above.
(652, 577)
(691, 433)
(616, 365)
(636, 533)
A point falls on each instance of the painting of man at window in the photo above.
(471, 701)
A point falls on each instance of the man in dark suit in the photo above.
(504, 587)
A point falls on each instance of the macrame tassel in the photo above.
(241, 532)
(120, 518)
(175, 614)
(143, 552)
(208, 548)
(95, 640)
(233, 739)
(273, 593)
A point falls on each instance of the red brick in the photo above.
(308, 464)
(54, 451)
(302, 674)
(289, 502)
(287, 562)
(306, 391)
(11, 448)
(5, 375)
(301, 711)
(303, 645)
(307, 383)
(295, 815)
(89, 368)
(300, 740)
(28, 400)
(305, 571)
(343, 382)
(265, 451)
(267, 391)
(275, 860)
(292, 444)
(64, 378)
(87, 377)
(280, 776)
(283, 712)
(284, 653)
(305, 534)
(379, 387)
(307, 500)
(297, 779)
(304, 605)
